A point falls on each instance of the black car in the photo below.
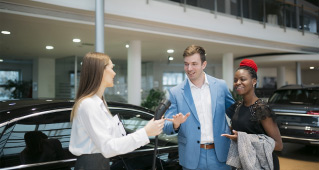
(52, 118)
(297, 110)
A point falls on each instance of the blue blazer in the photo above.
(189, 134)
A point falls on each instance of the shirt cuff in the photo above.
(143, 135)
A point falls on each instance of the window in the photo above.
(55, 125)
(172, 79)
(5, 76)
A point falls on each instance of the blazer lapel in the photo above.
(213, 94)
(189, 99)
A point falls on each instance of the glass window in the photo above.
(172, 79)
(134, 120)
(55, 125)
(5, 76)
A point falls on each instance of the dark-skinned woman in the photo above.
(255, 133)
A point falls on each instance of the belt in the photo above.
(207, 146)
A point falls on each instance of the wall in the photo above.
(310, 76)
(46, 78)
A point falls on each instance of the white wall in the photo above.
(46, 78)
(291, 76)
(265, 72)
(310, 76)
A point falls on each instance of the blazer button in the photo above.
(198, 127)
(198, 141)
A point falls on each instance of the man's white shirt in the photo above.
(203, 104)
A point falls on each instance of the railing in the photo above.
(297, 14)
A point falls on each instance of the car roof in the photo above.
(295, 86)
(10, 109)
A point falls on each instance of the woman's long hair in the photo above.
(93, 66)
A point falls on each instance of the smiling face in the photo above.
(194, 68)
(243, 82)
(108, 75)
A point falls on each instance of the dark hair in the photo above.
(251, 71)
(193, 49)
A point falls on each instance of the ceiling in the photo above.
(30, 35)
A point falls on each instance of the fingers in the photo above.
(187, 114)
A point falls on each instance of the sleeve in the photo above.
(263, 111)
(228, 97)
(99, 128)
(231, 110)
(172, 110)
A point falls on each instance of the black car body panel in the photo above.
(297, 111)
(52, 117)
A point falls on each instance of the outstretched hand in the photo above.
(233, 136)
(178, 119)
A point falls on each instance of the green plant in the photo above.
(153, 99)
(19, 89)
(236, 97)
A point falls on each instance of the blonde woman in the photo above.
(95, 134)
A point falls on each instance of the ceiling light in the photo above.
(170, 58)
(170, 51)
(1, 60)
(49, 47)
(127, 46)
(5, 32)
(311, 68)
(76, 40)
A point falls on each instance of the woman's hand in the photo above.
(178, 119)
(154, 127)
(233, 136)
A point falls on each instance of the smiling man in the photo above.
(197, 114)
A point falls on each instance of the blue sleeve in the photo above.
(172, 110)
(228, 98)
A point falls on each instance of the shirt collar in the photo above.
(193, 85)
(97, 99)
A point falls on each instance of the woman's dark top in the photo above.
(247, 119)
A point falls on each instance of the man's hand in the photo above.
(178, 119)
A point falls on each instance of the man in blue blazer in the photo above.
(197, 114)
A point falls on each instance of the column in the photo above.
(281, 76)
(134, 73)
(228, 69)
(298, 73)
(43, 78)
(99, 26)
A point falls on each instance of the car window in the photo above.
(54, 127)
(295, 96)
(135, 119)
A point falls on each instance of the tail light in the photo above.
(313, 112)
(311, 132)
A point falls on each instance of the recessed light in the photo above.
(6, 32)
(170, 51)
(170, 58)
(1, 60)
(311, 68)
(49, 47)
(76, 40)
(127, 46)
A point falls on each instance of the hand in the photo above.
(232, 137)
(154, 127)
(178, 119)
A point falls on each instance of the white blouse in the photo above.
(94, 130)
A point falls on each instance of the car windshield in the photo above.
(295, 96)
